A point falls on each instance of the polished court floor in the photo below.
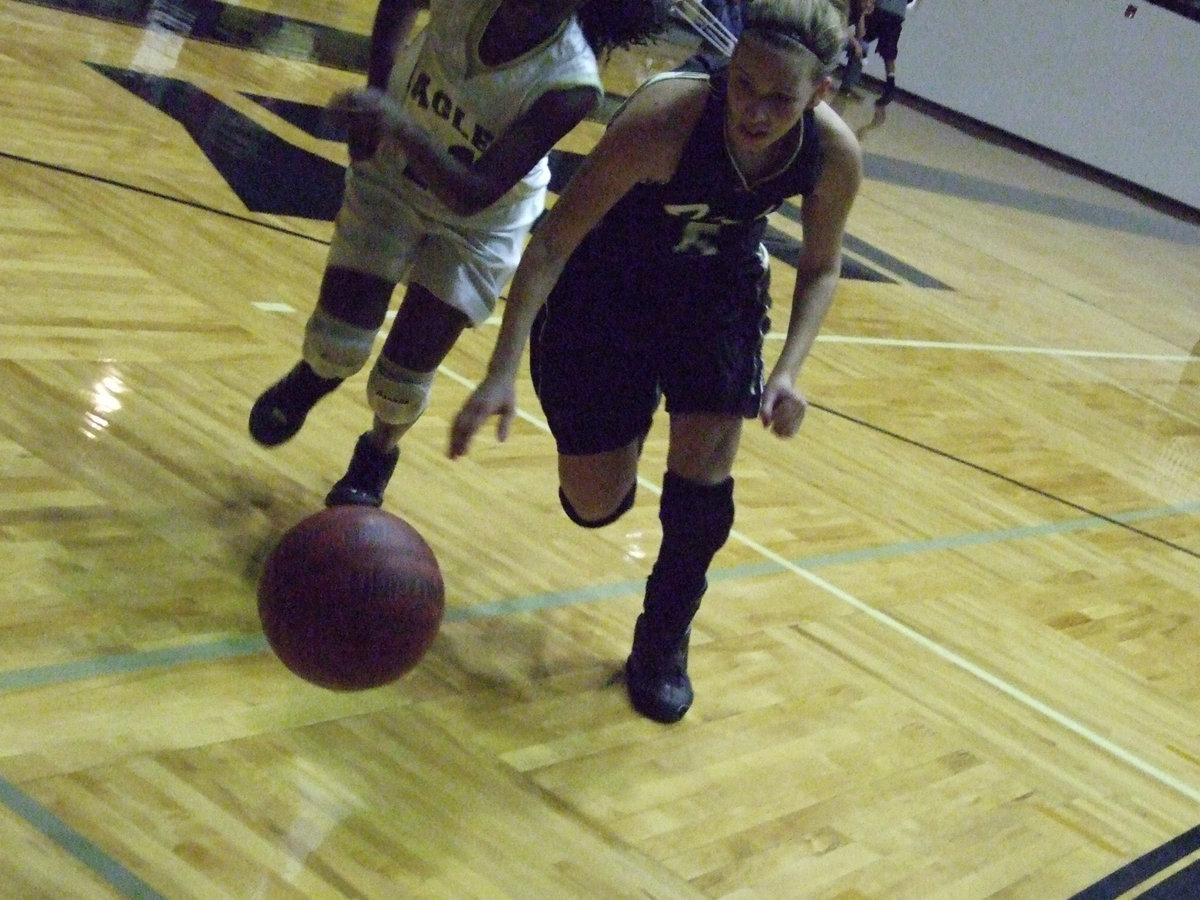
(949, 653)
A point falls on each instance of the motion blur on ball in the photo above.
(351, 598)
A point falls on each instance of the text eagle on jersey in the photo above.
(437, 101)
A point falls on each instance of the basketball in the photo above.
(351, 598)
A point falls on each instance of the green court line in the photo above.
(76, 844)
(933, 545)
(83, 850)
(554, 599)
(228, 648)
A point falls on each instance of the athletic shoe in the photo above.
(656, 676)
(366, 478)
(279, 413)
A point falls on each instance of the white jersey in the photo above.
(441, 84)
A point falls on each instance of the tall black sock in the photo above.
(696, 521)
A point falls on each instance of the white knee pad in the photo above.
(396, 394)
(336, 349)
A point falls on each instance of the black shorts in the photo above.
(609, 345)
(885, 28)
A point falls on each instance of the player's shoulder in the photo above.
(664, 109)
(647, 134)
(681, 89)
(839, 144)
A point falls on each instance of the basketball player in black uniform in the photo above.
(645, 281)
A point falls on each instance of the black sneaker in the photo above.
(281, 409)
(657, 679)
(888, 95)
(366, 478)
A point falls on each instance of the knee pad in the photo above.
(336, 349)
(396, 394)
(623, 507)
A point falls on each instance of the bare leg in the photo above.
(423, 333)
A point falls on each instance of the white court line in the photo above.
(955, 659)
(994, 348)
(977, 348)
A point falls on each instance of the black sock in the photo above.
(696, 521)
(308, 385)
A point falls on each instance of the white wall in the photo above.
(1076, 76)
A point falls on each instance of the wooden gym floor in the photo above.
(950, 652)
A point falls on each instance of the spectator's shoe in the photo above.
(281, 409)
(887, 96)
(656, 675)
(366, 478)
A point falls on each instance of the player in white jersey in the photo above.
(448, 146)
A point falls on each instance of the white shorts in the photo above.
(463, 261)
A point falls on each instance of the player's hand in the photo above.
(782, 409)
(363, 134)
(368, 113)
(494, 397)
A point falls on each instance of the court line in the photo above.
(121, 878)
(985, 348)
(75, 844)
(104, 865)
(228, 648)
(99, 667)
(1034, 489)
(961, 662)
(1139, 871)
(996, 348)
(955, 659)
(554, 599)
(159, 195)
(112, 871)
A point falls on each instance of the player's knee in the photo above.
(396, 394)
(573, 514)
(336, 349)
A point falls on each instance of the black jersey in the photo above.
(706, 218)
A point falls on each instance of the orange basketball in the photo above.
(351, 598)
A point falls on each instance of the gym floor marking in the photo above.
(119, 877)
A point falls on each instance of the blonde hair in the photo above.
(818, 25)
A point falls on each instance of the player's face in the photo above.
(769, 89)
